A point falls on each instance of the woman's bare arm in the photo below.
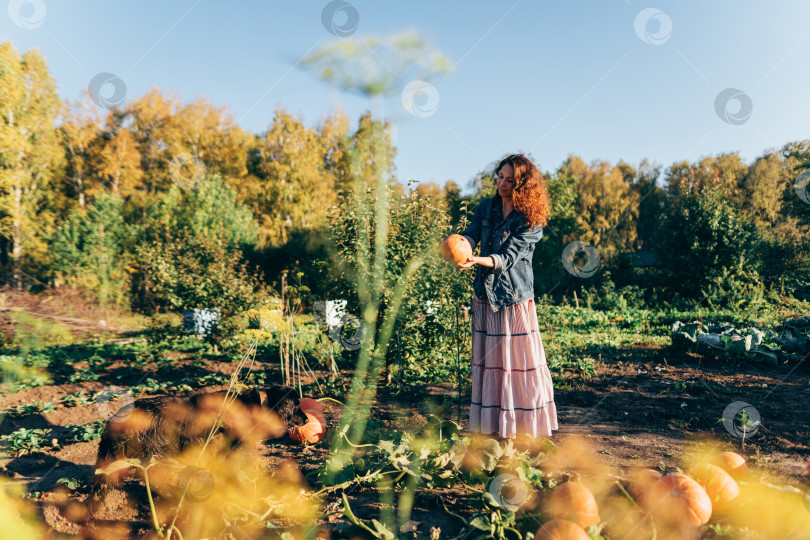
(483, 261)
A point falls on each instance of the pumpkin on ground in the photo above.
(641, 480)
(676, 499)
(719, 485)
(574, 502)
(560, 529)
(456, 249)
(315, 429)
(311, 432)
(309, 404)
(733, 463)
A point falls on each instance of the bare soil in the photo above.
(634, 412)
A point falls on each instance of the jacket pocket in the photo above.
(521, 277)
(499, 239)
(503, 289)
(518, 277)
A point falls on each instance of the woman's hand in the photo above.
(470, 261)
(483, 261)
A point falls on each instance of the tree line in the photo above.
(86, 192)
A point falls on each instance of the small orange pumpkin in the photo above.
(574, 502)
(560, 529)
(641, 480)
(677, 499)
(456, 249)
(311, 432)
(719, 485)
(733, 463)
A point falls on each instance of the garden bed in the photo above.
(644, 406)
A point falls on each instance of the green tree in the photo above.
(606, 207)
(31, 157)
(651, 204)
(795, 211)
(78, 131)
(704, 238)
(190, 271)
(292, 192)
(211, 210)
(416, 226)
(562, 228)
(763, 189)
(451, 193)
(92, 251)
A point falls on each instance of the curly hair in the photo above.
(530, 195)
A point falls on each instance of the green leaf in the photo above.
(478, 476)
(480, 523)
(386, 446)
(457, 453)
(548, 446)
(347, 511)
(490, 500)
(490, 453)
(382, 530)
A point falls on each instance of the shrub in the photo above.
(192, 271)
(606, 296)
(785, 265)
(416, 226)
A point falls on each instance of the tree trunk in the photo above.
(80, 186)
(17, 240)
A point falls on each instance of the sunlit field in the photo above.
(212, 332)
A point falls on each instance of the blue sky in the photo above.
(551, 78)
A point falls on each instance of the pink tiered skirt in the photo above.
(512, 390)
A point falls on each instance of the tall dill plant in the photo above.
(374, 68)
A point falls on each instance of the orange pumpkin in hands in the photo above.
(678, 500)
(719, 485)
(456, 249)
(574, 502)
(560, 529)
(733, 463)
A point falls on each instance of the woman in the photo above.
(512, 391)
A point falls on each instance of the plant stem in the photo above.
(152, 503)
(330, 399)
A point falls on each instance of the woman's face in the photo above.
(505, 181)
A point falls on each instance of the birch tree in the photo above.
(30, 155)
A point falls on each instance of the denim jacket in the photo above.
(510, 242)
